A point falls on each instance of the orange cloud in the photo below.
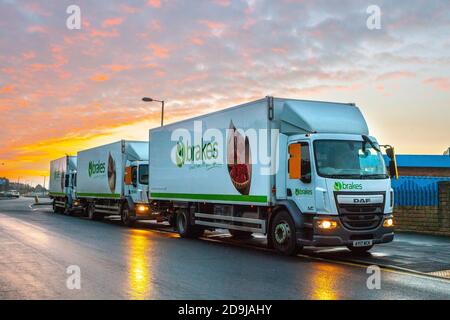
(112, 22)
(99, 77)
(159, 51)
(7, 89)
(117, 67)
(104, 34)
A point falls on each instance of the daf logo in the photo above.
(362, 200)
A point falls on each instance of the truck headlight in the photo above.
(326, 224)
(388, 222)
(142, 208)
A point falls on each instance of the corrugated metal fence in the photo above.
(417, 191)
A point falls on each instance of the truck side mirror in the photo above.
(393, 170)
(294, 162)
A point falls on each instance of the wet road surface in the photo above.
(37, 246)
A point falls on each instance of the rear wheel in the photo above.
(359, 250)
(283, 234)
(238, 234)
(126, 217)
(185, 228)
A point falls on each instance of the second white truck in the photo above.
(113, 180)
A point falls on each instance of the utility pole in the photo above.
(43, 189)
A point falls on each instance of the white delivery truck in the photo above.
(113, 180)
(305, 173)
(62, 185)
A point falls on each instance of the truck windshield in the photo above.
(143, 174)
(349, 159)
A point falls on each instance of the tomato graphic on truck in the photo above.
(239, 160)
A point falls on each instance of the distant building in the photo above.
(423, 165)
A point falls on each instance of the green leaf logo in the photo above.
(180, 154)
(91, 168)
(338, 186)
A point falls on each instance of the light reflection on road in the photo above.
(324, 282)
(139, 265)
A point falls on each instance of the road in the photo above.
(147, 262)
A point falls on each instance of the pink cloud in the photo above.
(197, 41)
(439, 83)
(154, 3)
(36, 29)
(396, 75)
(223, 3)
(29, 55)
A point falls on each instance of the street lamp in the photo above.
(146, 99)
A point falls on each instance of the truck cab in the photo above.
(136, 188)
(136, 181)
(341, 188)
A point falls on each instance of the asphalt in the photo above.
(152, 262)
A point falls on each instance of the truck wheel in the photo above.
(92, 215)
(238, 234)
(283, 234)
(173, 221)
(55, 208)
(184, 227)
(125, 216)
(359, 250)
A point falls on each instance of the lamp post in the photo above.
(146, 99)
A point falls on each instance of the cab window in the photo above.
(143, 174)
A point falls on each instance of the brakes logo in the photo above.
(339, 186)
(96, 168)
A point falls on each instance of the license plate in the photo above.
(362, 243)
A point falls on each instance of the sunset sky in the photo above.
(64, 90)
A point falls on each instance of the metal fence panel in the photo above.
(417, 191)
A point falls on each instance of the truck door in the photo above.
(299, 181)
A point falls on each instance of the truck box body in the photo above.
(187, 170)
(101, 169)
(58, 170)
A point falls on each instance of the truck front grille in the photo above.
(360, 216)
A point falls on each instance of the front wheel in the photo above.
(55, 208)
(283, 234)
(125, 216)
(359, 250)
(185, 228)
